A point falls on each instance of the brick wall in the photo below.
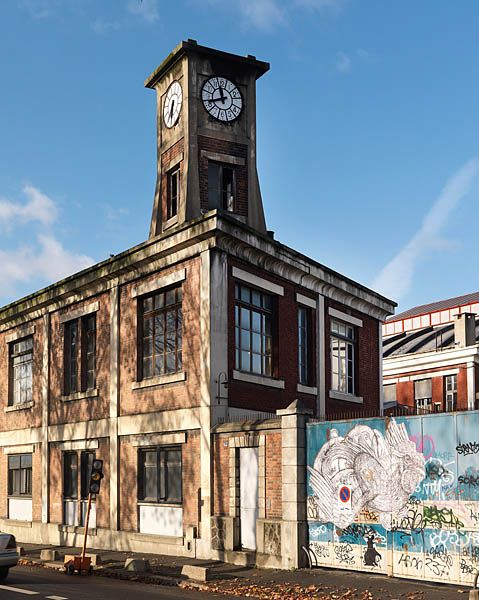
(241, 171)
(274, 495)
(85, 409)
(272, 474)
(166, 159)
(366, 364)
(32, 416)
(129, 482)
(171, 396)
(285, 350)
(56, 483)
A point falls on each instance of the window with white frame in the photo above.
(21, 371)
(342, 357)
(451, 392)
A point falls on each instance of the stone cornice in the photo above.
(178, 244)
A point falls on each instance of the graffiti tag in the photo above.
(469, 480)
(344, 554)
(469, 448)
(439, 517)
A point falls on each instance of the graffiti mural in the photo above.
(382, 471)
(397, 496)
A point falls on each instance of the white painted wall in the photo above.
(20, 509)
(161, 520)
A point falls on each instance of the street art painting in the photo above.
(397, 496)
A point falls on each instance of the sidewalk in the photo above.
(327, 584)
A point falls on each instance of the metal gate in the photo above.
(396, 495)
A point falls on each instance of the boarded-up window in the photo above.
(423, 389)
(389, 392)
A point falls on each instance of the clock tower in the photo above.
(206, 130)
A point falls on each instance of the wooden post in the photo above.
(86, 527)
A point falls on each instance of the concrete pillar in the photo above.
(471, 385)
(293, 526)
(45, 382)
(114, 408)
(320, 357)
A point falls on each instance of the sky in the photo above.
(368, 145)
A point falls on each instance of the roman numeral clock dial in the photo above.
(172, 105)
(222, 99)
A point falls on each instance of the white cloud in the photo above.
(343, 62)
(42, 259)
(39, 207)
(104, 26)
(39, 9)
(46, 260)
(263, 14)
(396, 278)
(115, 213)
(322, 5)
(146, 9)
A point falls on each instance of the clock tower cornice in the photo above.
(192, 47)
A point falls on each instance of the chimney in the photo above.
(465, 330)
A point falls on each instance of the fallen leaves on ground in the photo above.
(283, 591)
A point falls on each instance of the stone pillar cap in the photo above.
(295, 408)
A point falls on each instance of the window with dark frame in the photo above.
(80, 354)
(20, 475)
(160, 475)
(253, 330)
(173, 193)
(21, 371)
(161, 322)
(304, 343)
(70, 475)
(342, 357)
(221, 186)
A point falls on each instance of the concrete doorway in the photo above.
(248, 496)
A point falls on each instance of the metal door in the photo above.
(248, 496)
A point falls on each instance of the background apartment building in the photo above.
(431, 357)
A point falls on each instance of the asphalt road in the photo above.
(24, 582)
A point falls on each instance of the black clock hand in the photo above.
(172, 107)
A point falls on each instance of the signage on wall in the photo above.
(344, 497)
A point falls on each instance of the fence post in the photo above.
(293, 473)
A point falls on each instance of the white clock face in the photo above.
(222, 99)
(172, 105)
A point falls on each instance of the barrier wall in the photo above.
(397, 496)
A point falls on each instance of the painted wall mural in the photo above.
(397, 496)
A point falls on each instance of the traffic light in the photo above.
(96, 476)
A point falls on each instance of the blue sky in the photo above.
(368, 129)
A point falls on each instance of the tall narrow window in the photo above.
(451, 392)
(21, 367)
(80, 354)
(71, 357)
(160, 475)
(86, 462)
(20, 475)
(89, 352)
(221, 186)
(70, 475)
(253, 330)
(342, 357)
(162, 333)
(173, 193)
(303, 345)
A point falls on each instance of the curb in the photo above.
(108, 571)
